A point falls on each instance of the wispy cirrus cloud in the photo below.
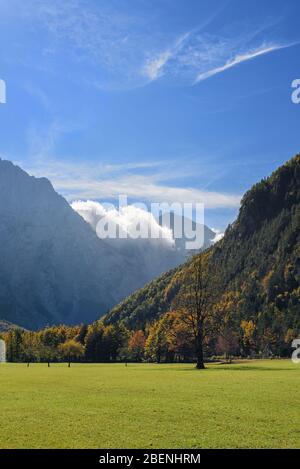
(239, 58)
(154, 67)
(127, 47)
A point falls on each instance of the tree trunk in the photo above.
(200, 363)
(199, 353)
(69, 364)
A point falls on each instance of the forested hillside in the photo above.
(257, 261)
(144, 305)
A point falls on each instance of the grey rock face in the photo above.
(53, 267)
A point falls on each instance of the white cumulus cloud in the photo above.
(129, 220)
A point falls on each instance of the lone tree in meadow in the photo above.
(71, 350)
(194, 301)
(47, 354)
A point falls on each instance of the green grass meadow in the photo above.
(252, 404)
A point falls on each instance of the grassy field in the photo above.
(245, 405)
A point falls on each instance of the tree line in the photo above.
(200, 324)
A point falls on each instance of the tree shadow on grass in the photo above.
(211, 367)
(248, 367)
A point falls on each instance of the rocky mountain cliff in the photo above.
(53, 268)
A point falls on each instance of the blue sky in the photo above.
(162, 100)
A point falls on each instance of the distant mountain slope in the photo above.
(154, 256)
(53, 267)
(259, 257)
(177, 221)
(7, 326)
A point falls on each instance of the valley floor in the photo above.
(250, 404)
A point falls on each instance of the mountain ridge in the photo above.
(258, 257)
(53, 266)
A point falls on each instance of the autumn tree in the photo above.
(248, 334)
(47, 354)
(156, 344)
(267, 342)
(82, 334)
(136, 345)
(194, 301)
(71, 349)
(160, 344)
(225, 322)
(29, 347)
(179, 337)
